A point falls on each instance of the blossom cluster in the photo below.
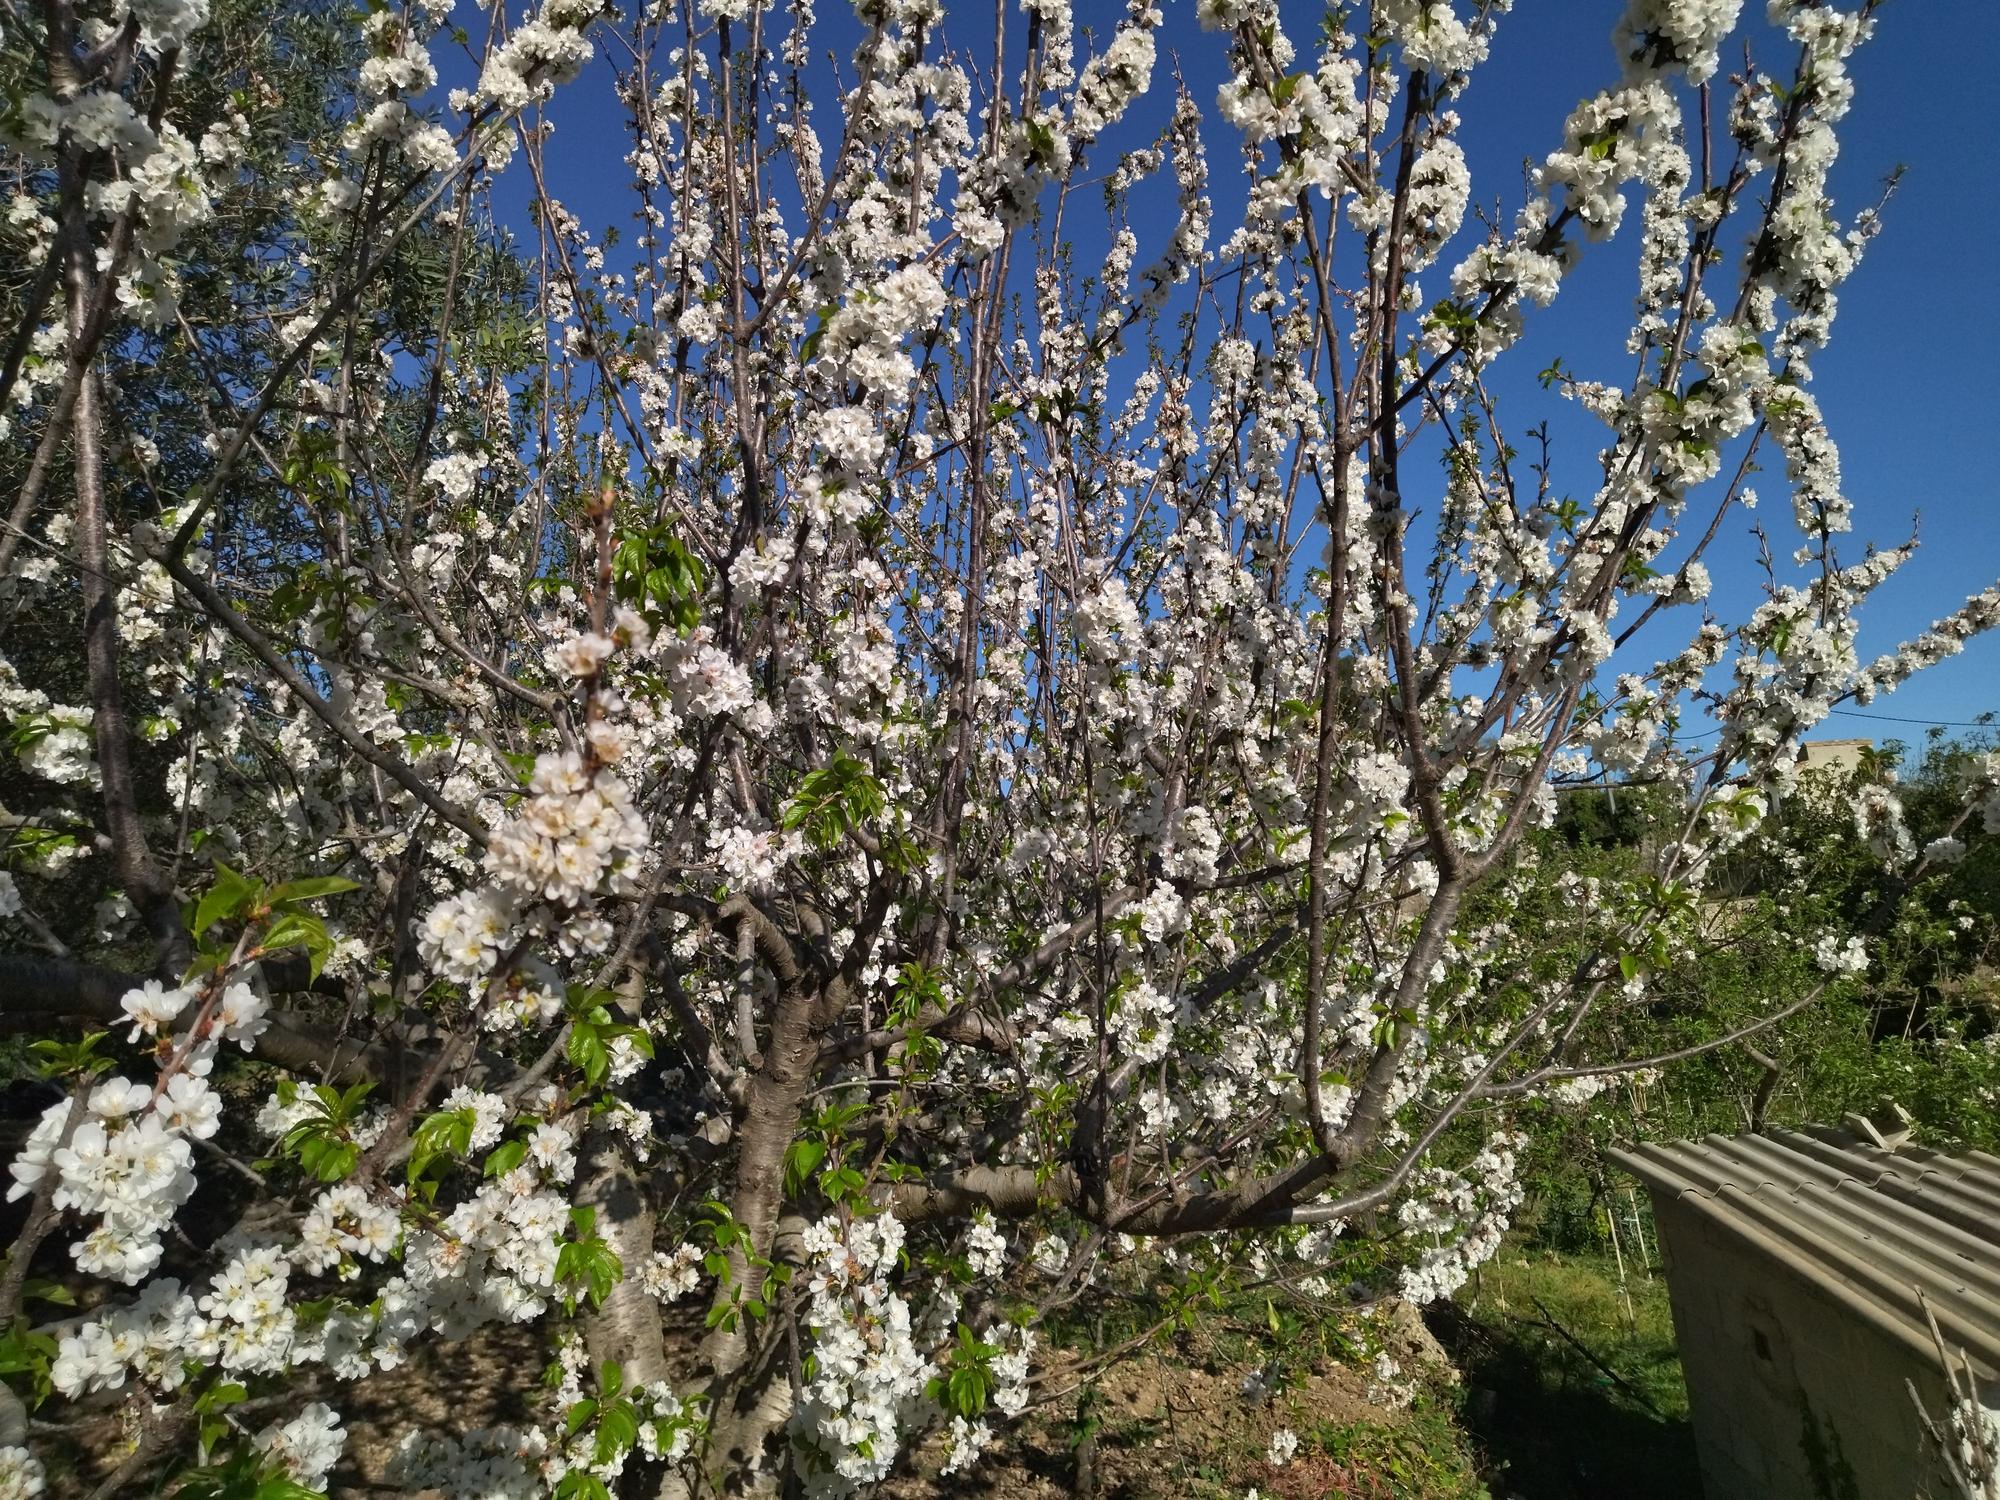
(575, 837)
(123, 1153)
(868, 1374)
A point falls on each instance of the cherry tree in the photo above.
(763, 798)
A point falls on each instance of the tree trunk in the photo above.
(627, 1327)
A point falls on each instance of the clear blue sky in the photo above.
(1908, 385)
(1908, 391)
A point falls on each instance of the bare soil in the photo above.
(1151, 1427)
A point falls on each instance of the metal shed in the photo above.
(1801, 1265)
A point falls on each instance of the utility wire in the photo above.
(1987, 723)
(1991, 722)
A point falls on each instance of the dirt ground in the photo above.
(491, 1379)
(1151, 1426)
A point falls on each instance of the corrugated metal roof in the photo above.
(1869, 1219)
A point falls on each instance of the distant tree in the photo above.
(1917, 1026)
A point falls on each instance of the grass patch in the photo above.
(1570, 1391)
(1427, 1456)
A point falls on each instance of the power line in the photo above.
(1851, 713)
(1986, 723)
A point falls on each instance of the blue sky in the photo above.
(1905, 395)
(1907, 388)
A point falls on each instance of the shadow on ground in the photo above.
(1551, 1423)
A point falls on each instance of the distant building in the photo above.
(1801, 1265)
(1835, 755)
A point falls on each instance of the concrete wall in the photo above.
(1793, 1396)
(1843, 756)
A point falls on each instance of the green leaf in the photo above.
(832, 801)
(587, 1050)
(605, 1268)
(450, 1130)
(218, 1396)
(300, 929)
(447, 1134)
(801, 1161)
(313, 887)
(617, 1432)
(505, 1157)
(327, 1159)
(231, 894)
